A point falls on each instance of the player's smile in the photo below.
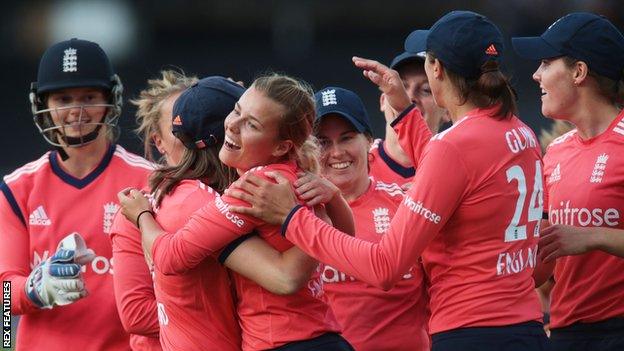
(251, 132)
(344, 155)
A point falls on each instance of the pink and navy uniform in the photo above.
(371, 318)
(382, 167)
(475, 223)
(267, 320)
(196, 309)
(40, 205)
(134, 287)
(585, 184)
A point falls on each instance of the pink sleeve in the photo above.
(412, 132)
(424, 211)
(14, 254)
(134, 287)
(208, 230)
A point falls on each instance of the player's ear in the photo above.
(158, 142)
(282, 148)
(581, 71)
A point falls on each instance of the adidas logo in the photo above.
(555, 175)
(491, 50)
(39, 217)
(177, 121)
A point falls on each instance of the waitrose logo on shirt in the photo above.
(418, 208)
(224, 209)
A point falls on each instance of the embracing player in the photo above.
(76, 103)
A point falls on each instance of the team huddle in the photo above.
(273, 220)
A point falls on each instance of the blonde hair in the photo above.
(150, 101)
(297, 98)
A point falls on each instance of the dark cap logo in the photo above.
(491, 50)
(177, 121)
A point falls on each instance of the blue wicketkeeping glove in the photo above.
(58, 281)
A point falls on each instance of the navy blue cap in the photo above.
(583, 36)
(406, 58)
(344, 103)
(74, 63)
(462, 40)
(200, 110)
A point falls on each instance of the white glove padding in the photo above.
(58, 281)
(75, 242)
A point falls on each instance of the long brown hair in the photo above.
(491, 88)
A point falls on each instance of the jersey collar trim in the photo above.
(81, 183)
(404, 172)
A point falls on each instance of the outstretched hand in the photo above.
(388, 81)
(269, 201)
(132, 203)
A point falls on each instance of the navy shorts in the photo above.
(325, 342)
(529, 336)
(607, 335)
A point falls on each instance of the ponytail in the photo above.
(491, 88)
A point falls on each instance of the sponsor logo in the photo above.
(381, 218)
(599, 169)
(583, 217)
(555, 176)
(70, 60)
(418, 208)
(223, 208)
(39, 217)
(517, 261)
(109, 213)
(100, 264)
(332, 275)
(491, 50)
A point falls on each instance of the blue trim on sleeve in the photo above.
(227, 251)
(402, 114)
(11, 199)
(81, 183)
(404, 172)
(288, 218)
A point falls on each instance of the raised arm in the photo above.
(208, 230)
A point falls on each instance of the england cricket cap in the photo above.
(74, 63)
(583, 36)
(462, 40)
(406, 58)
(199, 112)
(334, 100)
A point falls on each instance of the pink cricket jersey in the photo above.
(134, 287)
(267, 320)
(196, 309)
(585, 184)
(371, 318)
(475, 207)
(384, 168)
(40, 205)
